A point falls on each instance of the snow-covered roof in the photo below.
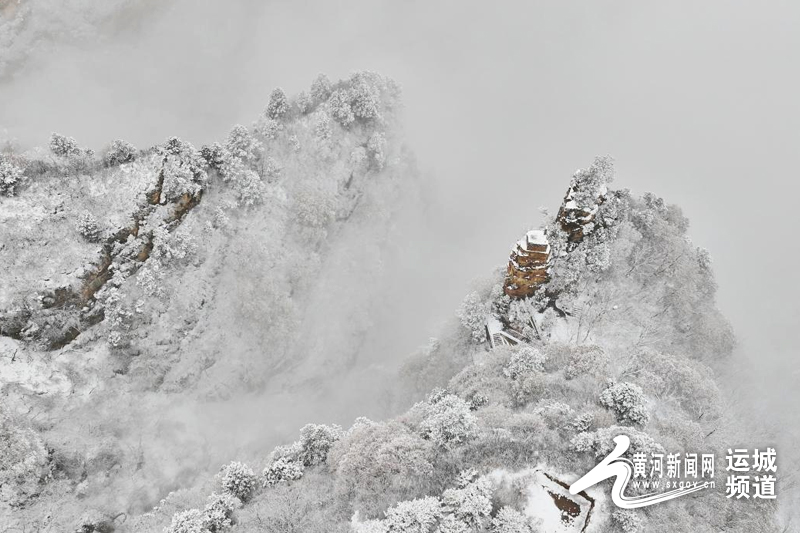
(536, 236)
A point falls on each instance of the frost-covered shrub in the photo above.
(321, 126)
(218, 512)
(272, 168)
(189, 521)
(524, 361)
(214, 155)
(509, 520)
(472, 314)
(89, 228)
(601, 442)
(376, 145)
(321, 89)
(627, 402)
(242, 145)
(278, 104)
(10, 176)
(23, 458)
(171, 248)
(448, 422)
(63, 146)
(365, 97)
(585, 360)
(627, 521)
(314, 206)
(451, 524)
(378, 462)
(294, 143)
(237, 479)
(304, 102)
(282, 469)
(268, 128)
(118, 153)
(414, 516)
(183, 169)
(339, 105)
(316, 440)
(588, 184)
(471, 501)
(677, 377)
(249, 187)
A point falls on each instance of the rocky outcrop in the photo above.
(527, 266)
(62, 313)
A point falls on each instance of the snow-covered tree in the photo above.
(118, 153)
(63, 146)
(448, 422)
(471, 501)
(189, 521)
(218, 512)
(242, 145)
(282, 469)
(89, 228)
(304, 102)
(524, 361)
(316, 440)
(376, 145)
(321, 89)
(10, 176)
(472, 314)
(628, 403)
(340, 109)
(414, 516)
(237, 479)
(278, 104)
(509, 520)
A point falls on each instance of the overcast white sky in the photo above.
(697, 101)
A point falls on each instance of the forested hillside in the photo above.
(164, 308)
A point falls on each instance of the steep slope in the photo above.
(176, 287)
(617, 340)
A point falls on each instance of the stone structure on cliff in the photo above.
(527, 267)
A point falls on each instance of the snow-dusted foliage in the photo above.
(189, 521)
(601, 442)
(316, 441)
(414, 516)
(10, 176)
(590, 184)
(471, 501)
(218, 512)
(447, 421)
(242, 145)
(237, 479)
(321, 89)
(89, 227)
(524, 361)
(583, 360)
(628, 403)
(278, 104)
(63, 146)
(509, 520)
(472, 314)
(377, 149)
(304, 102)
(627, 521)
(23, 459)
(118, 153)
(340, 109)
(183, 169)
(282, 469)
